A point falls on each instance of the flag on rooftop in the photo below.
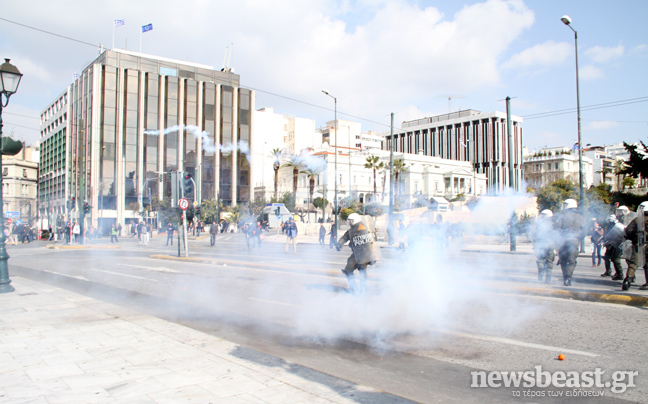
(462, 143)
(119, 23)
(146, 28)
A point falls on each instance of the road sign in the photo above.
(8, 221)
(278, 217)
(183, 203)
(195, 204)
(12, 214)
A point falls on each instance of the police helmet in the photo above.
(611, 219)
(546, 213)
(354, 218)
(569, 204)
(622, 211)
(644, 205)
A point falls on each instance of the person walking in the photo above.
(572, 228)
(68, 231)
(333, 239)
(544, 238)
(113, 234)
(596, 235)
(145, 233)
(169, 232)
(213, 231)
(322, 235)
(291, 234)
(133, 230)
(76, 230)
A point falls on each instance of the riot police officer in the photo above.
(362, 240)
(636, 232)
(571, 229)
(544, 239)
(612, 240)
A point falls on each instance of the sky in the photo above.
(412, 58)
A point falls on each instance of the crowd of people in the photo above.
(622, 235)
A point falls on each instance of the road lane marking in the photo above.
(272, 301)
(122, 274)
(158, 269)
(509, 341)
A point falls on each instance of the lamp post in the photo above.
(335, 212)
(567, 21)
(9, 81)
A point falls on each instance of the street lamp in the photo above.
(9, 81)
(335, 165)
(567, 21)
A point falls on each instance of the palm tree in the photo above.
(372, 164)
(295, 162)
(399, 167)
(383, 168)
(605, 171)
(311, 173)
(276, 165)
(619, 165)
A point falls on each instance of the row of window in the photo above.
(56, 106)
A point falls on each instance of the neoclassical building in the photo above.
(113, 136)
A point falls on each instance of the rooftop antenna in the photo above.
(230, 55)
(450, 97)
(224, 58)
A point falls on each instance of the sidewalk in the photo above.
(57, 346)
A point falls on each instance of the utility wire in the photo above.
(527, 117)
(50, 33)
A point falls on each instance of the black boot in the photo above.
(567, 281)
(606, 273)
(644, 286)
(617, 277)
(626, 283)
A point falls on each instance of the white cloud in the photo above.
(602, 54)
(541, 56)
(639, 48)
(601, 125)
(590, 72)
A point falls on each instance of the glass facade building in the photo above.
(128, 120)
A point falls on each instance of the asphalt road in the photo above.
(426, 323)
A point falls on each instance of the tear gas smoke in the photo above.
(208, 144)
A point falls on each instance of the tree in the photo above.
(374, 209)
(275, 166)
(317, 202)
(311, 173)
(604, 171)
(287, 199)
(637, 164)
(383, 168)
(553, 195)
(256, 207)
(209, 210)
(399, 167)
(373, 164)
(628, 182)
(166, 213)
(295, 162)
(619, 167)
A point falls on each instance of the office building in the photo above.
(114, 135)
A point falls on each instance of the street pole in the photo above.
(335, 180)
(390, 225)
(567, 21)
(9, 81)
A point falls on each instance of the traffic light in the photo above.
(10, 147)
(277, 211)
(187, 185)
(198, 211)
(86, 207)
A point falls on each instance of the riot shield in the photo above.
(641, 238)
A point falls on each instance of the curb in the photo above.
(627, 300)
(81, 247)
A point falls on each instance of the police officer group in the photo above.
(623, 236)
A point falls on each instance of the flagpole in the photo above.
(113, 37)
(140, 42)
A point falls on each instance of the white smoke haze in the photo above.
(207, 142)
(428, 288)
